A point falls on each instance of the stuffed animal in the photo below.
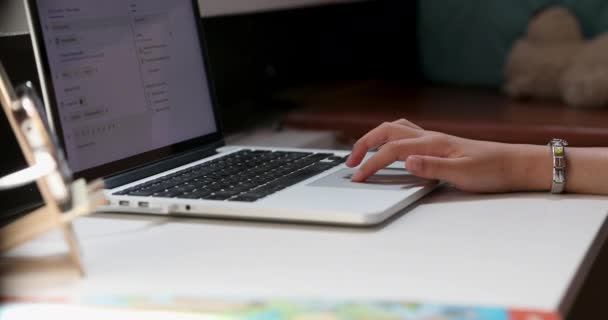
(554, 61)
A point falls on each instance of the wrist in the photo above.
(532, 167)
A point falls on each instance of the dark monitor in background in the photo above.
(256, 54)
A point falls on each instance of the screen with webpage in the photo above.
(128, 76)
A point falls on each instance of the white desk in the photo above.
(523, 251)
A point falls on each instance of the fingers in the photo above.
(397, 151)
(432, 167)
(407, 123)
(379, 136)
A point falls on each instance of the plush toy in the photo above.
(554, 61)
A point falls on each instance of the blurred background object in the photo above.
(17, 56)
(12, 18)
(15, 48)
(554, 60)
(467, 42)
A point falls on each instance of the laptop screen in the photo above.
(126, 77)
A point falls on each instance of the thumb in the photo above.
(430, 167)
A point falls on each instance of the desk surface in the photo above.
(524, 250)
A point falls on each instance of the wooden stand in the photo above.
(85, 198)
(64, 200)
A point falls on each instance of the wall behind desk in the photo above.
(255, 55)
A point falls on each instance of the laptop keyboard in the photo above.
(244, 176)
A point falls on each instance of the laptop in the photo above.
(128, 89)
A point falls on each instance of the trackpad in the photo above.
(387, 179)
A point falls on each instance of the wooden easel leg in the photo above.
(26, 228)
(75, 252)
(36, 224)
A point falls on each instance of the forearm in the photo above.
(586, 171)
(532, 167)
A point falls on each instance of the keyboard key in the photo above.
(337, 160)
(227, 193)
(189, 196)
(302, 175)
(298, 154)
(141, 193)
(196, 194)
(244, 198)
(167, 194)
(216, 197)
(184, 188)
(250, 196)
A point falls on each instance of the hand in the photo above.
(475, 166)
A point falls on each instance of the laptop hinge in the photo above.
(157, 167)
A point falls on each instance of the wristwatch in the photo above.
(558, 151)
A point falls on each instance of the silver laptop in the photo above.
(128, 91)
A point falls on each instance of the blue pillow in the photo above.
(467, 42)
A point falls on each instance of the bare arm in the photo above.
(587, 170)
(477, 166)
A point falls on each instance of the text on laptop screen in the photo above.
(128, 76)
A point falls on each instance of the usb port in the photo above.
(123, 203)
(144, 205)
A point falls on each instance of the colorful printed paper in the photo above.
(294, 310)
(278, 310)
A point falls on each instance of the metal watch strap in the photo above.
(558, 151)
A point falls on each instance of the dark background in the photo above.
(18, 59)
(256, 55)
